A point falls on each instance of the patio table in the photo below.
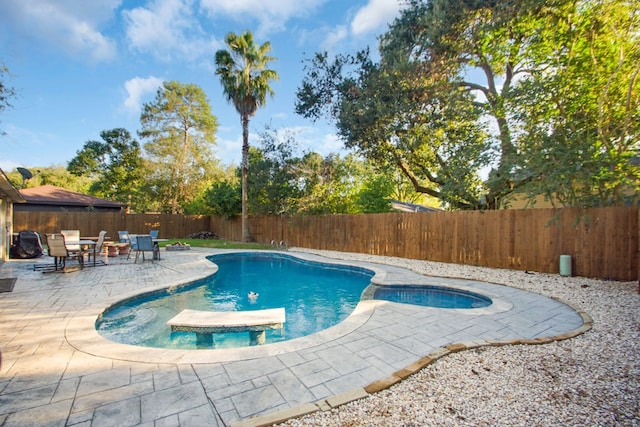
(82, 243)
(106, 238)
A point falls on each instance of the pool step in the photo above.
(206, 323)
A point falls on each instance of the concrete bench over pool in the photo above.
(206, 323)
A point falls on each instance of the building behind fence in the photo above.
(602, 242)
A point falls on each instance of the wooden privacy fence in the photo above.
(602, 242)
(91, 223)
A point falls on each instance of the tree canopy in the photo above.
(580, 139)
(470, 98)
(288, 181)
(115, 163)
(57, 175)
(180, 130)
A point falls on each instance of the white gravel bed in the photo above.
(589, 380)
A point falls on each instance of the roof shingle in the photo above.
(52, 195)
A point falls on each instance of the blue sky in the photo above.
(83, 66)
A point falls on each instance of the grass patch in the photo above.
(217, 244)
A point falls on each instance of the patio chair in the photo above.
(44, 266)
(99, 244)
(123, 236)
(57, 249)
(144, 244)
(133, 244)
(69, 236)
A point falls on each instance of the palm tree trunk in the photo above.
(245, 174)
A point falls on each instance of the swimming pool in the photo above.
(315, 296)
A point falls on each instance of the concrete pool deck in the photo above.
(57, 371)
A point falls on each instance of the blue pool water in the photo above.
(315, 296)
(432, 296)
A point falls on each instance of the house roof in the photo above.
(52, 195)
(9, 190)
(412, 207)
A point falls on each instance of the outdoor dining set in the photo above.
(69, 245)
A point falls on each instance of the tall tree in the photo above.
(181, 132)
(115, 164)
(245, 81)
(464, 85)
(479, 49)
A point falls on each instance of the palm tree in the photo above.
(245, 81)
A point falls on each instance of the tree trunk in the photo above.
(245, 173)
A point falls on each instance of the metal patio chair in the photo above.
(144, 244)
(57, 249)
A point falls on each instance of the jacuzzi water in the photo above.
(315, 296)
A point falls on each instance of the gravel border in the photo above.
(592, 379)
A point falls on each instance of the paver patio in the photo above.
(58, 371)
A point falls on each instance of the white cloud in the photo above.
(228, 151)
(375, 15)
(167, 28)
(331, 143)
(69, 25)
(137, 88)
(334, 37)
(272, 15)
